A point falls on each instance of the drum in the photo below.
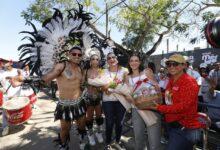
(1, 99)
(18, 110)
(28, 92)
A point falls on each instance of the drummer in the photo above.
(8, 90)
(69, 78)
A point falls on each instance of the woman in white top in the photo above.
(146, 78)
(113, 109)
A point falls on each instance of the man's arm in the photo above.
(54, 73)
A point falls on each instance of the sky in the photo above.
(12, 23)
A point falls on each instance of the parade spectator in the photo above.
(26, 71)
(1, 88)
(93, 101)
(113, 110)
(190, 71)
(180, 110)
(137, 74)
(152, 66)
(204, 91)
(8, 90)
(71, 105)
(214, 76)
(162, 79)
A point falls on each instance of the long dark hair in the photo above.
(90, 58)
(141, 67)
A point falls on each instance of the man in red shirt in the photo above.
(180, 110)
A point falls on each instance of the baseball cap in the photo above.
(202, 65)
(177, 58)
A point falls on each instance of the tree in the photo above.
(145, 23)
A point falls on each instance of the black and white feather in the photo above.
(50, 45)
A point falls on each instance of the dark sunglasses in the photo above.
(76, 54)
(174, 64)
(113, 57)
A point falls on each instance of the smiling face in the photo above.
(175, 68)
(112, 59)
(94, 61)
(134, 62)
(75, 56)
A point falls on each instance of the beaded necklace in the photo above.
(115, 74)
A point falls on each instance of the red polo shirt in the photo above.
(183, 105)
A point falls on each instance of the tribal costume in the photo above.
(70, 110)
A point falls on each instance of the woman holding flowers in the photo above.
(144, 92)
(113, 109)
(93, 100)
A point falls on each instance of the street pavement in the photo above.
(41, 130)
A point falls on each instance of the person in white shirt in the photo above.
(113, 109)
(204, 91)
(135, 76)
(214, 76)
(190, 71)
(8, 90)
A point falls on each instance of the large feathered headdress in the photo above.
(50, 44)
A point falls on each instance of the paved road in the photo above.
(40, 133)
(42, 130)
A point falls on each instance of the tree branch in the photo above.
(108, 10)
(207, 5)
(121, 48)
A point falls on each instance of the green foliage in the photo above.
(207, 16)
(40, 10)
(217, 1)
(181, 28)
(142, 20)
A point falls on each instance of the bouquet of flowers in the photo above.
(99, 81)
(119, 91)
(113, 84)
(145, 94)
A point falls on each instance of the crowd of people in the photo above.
(171, 96)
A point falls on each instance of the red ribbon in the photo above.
(138, 83)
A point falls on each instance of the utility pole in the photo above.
(167, 46)
(106, 19)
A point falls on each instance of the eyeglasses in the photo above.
(174, 64)
(76, 54)
(95, 59)
(111, 57)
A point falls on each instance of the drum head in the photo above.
(16, 103)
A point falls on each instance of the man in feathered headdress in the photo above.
(49, 56)
(71, 105)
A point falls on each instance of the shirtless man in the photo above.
(71, 104)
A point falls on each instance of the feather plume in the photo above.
(50, 44)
